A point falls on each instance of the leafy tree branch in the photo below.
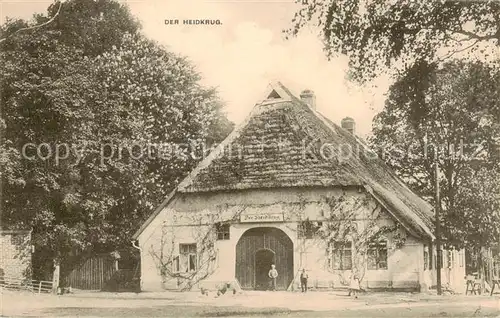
(34, 27)
(378, 35)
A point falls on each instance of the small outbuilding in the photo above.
(15, 261)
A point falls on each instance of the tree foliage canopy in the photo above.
(452, 112)
(128, 118)
(380, 34)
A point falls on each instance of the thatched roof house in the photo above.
(286, 145)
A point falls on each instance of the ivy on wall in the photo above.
(348, 218)
(356, 220)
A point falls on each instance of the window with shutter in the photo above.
(175, 264)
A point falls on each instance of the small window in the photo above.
(377, 255)
(431, 256)
(341, 256)
(188, 258)
(308, 229)
(273, 95)
(449, 258)
(426, 259)
(222, 230)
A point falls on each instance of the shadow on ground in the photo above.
(169, 311)
(236, 311)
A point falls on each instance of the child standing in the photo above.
(273, 274)
(354, 285)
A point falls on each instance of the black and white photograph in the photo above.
(250, 158)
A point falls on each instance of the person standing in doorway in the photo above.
(273, 274)
(303, 280)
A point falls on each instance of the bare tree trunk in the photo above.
(481, 269)
(489, 268)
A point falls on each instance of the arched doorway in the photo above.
(256, 250)
(264, 258)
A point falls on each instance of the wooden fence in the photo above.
(91, 274)
(36, 286)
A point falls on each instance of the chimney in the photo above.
(308, 97)
(349, 124)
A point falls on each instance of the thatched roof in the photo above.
(285, 143)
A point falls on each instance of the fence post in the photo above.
(55, 278)
(40, 287)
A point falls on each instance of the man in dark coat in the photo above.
(303, 280)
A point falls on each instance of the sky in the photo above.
(246, 52)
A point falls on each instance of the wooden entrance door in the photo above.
(264, 258)
(256, 250)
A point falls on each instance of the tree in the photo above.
(91, 26)
(107, 108)
(450, 114)
(171, 117)
(42, 104)
(477, 217)
(22, 25)
(380, 34)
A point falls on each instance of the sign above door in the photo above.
(256, 218)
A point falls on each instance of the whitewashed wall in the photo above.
(405, 265)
